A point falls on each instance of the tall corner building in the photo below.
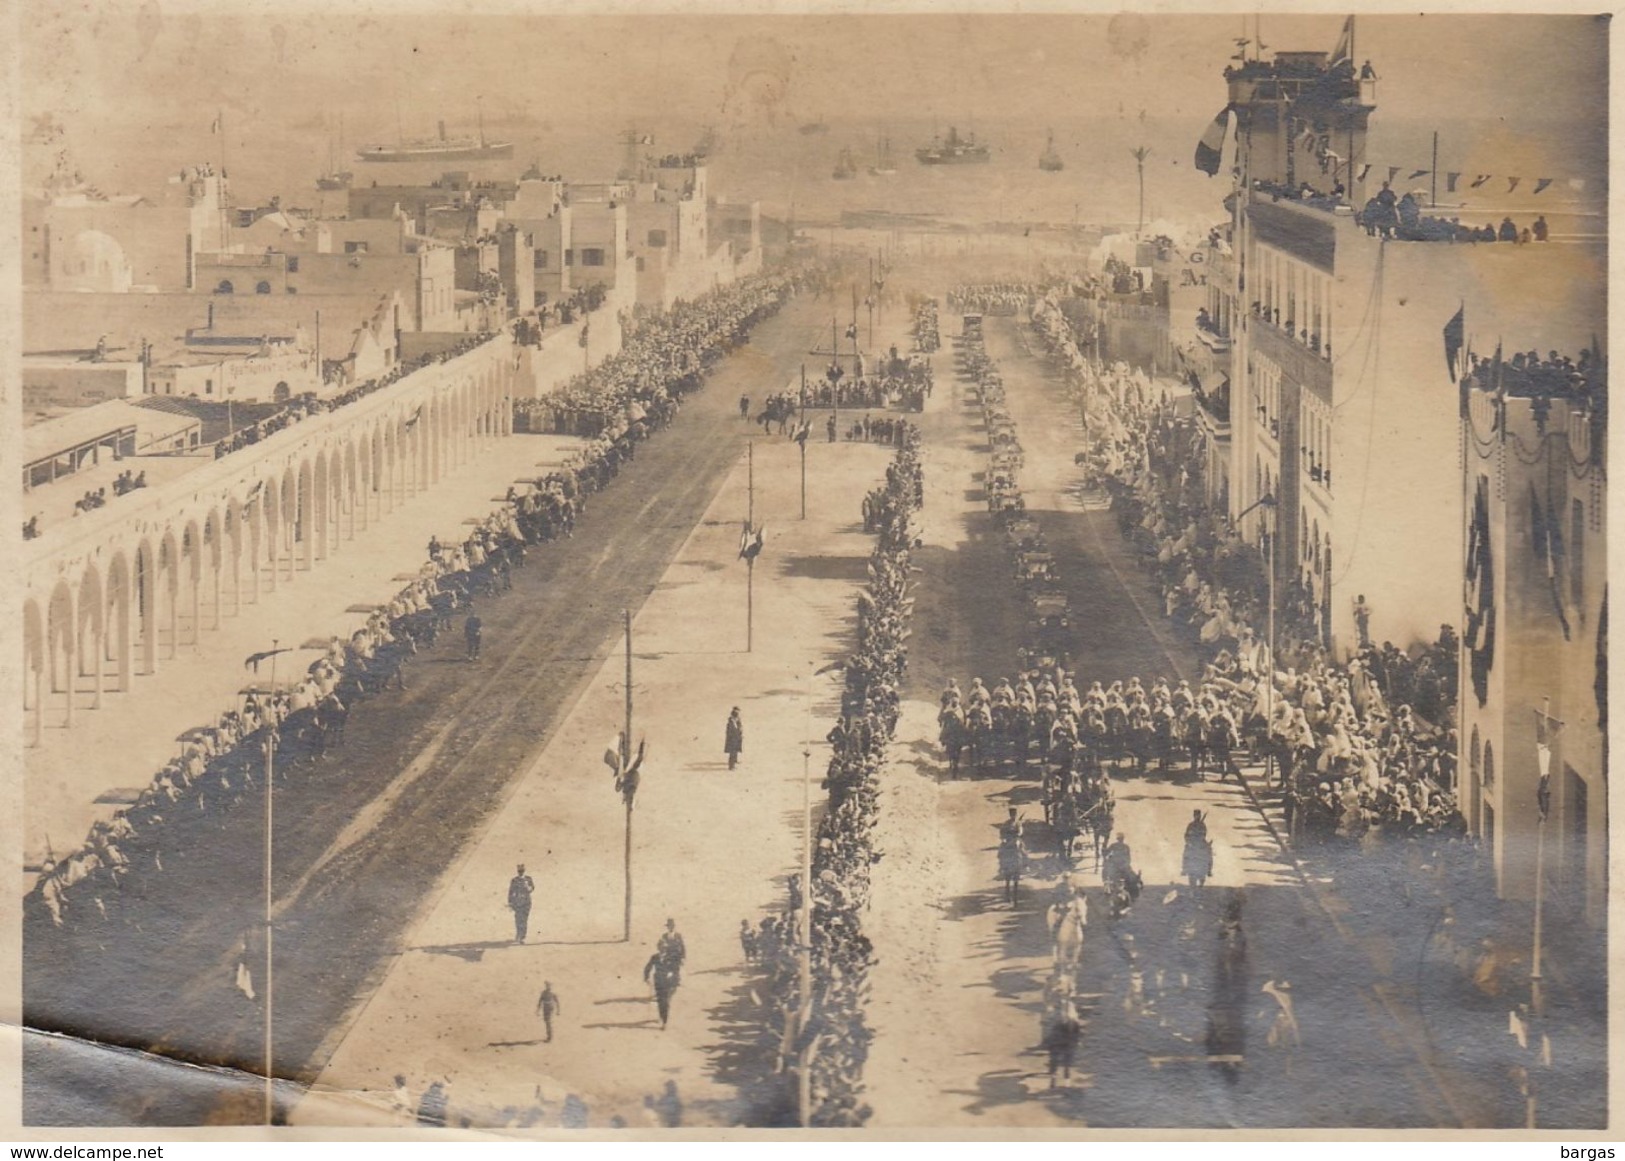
(1343, 404)
(1409, 395)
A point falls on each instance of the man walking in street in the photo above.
(547, 1006)
(733, 740)
(665, 969)
(520, 889)
(471, 636)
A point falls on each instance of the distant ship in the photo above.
(845, 168)
(812, 128)
(956, 150)
(440, 148)
(884, 166)
(1050, 161)
(335, 178)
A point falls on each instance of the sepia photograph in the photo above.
(921, 572)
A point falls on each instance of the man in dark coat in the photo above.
(733, 742)
(520, 888)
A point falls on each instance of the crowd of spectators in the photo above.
(671, 351)
(310, 404)
(927, 338)
(221, 765)
(833, 1042)
(1000, 298)
(1360, 747)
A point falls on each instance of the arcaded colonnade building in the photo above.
(112, 594)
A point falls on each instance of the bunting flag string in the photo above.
(1512, 183)
(1393, 171)
(1419, 173)
(1481, 179)
(1542, 183)
(1450, 180)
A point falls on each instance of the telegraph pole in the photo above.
(803, 441)
(626, 763)
(750, 560)
(804, 1009)
(270, 782)
(1140, 154)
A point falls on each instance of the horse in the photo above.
(1044, 718)
(1019, 732)
(952, 734)
(1067, 922)
(979, 733)
(1163, 740)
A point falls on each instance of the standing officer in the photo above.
(733, 738)
(471, 636)
(547, 1006)
(520, 889)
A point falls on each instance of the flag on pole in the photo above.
(852, 330)
(750, 543)
(1364, 169)
(413, 421)
(1542, 183)
(1344, 52)
(1210, 149)
(1454, 337)
(254, 659)
(582, 341)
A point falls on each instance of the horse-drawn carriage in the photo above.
(1023, 534)
(1049, 626)
(1035, 567)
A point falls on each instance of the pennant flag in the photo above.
(1454, 332)
(1418, 173)
(1345, 44)
(1479, 628)
(1210, 149)
(750, 544)
(1542, 183)
(1393, 170)
(1364, 169)
(1512, 183)
(1450, 180)
(851, 330)
(1481, 179)
(253, 493)
(802, 431)
(1546, 530)
(413, 422)
(254, 659)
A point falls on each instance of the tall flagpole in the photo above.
(270, 781)
(626, 764)
(750, 530)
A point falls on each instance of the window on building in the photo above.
(293, 264)
(1577, 530)
(1574, 789)
(208, 386)
(569, 257)
(541, 259)
(657, 238)
(355, 247)
(262, 288)
(225, 287)
(592, 256)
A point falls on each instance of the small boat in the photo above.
(335, 178)
(884, 166)
(1050, 161)
(955, 150)
(845, 168)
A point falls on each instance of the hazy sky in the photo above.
(128, 64)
